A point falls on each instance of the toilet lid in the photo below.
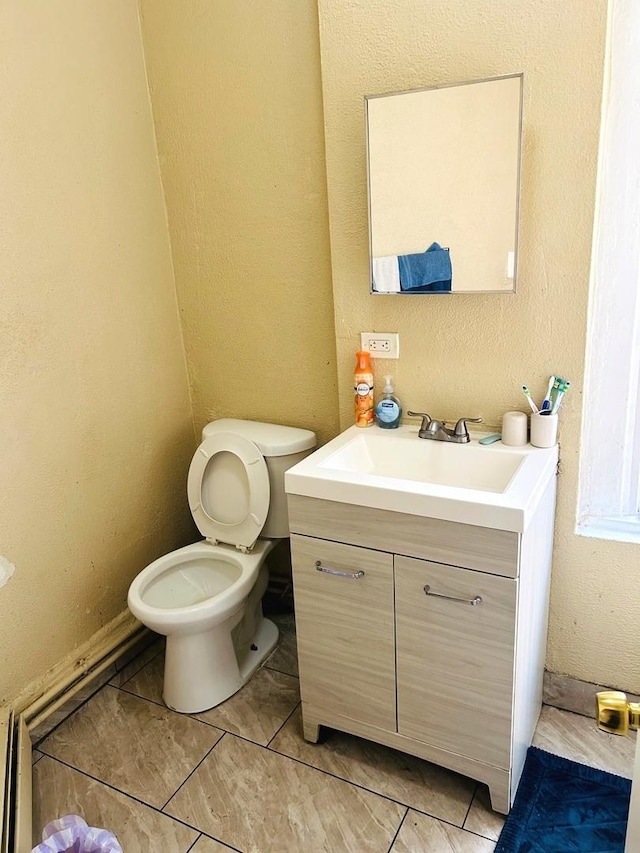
(221, 514)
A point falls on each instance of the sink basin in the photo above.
(487, 485)
(426, 461)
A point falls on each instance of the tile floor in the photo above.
(241, 777)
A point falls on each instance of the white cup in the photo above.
(514, 429)
(544, 429)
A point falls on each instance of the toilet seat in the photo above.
(243, 532)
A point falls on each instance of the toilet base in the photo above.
(265, 641)
(202, 670)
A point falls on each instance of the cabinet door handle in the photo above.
(351, 575)
(471, 601)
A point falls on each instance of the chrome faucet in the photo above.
(438, 431)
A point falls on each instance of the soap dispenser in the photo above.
(388, 409)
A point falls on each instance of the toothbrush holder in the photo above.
(544, 429)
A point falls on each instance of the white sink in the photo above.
(487, 485)
(425, 461)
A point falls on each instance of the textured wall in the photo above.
(94, 408)
(468, 355)
(236, 95)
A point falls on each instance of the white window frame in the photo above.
(609, 479)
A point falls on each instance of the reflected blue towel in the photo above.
(430, 270)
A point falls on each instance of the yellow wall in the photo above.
(94, 408)
(236, 95)
(468, 355)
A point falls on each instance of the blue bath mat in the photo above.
(562, 807)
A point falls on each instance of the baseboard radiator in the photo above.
(17, 725)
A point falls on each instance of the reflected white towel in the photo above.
(386, 274)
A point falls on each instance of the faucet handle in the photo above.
(461, 426)
(426, 419)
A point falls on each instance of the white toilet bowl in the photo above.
(196, 596)
(206, 598)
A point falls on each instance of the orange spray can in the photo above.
(363, 387)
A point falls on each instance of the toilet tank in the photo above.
(282, 447)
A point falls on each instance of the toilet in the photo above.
(206, 598)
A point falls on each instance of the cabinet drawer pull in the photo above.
(351, 575)
(471, 601)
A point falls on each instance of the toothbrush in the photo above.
(546, 403)
(527, 394)
(554, 391)
(562, 390)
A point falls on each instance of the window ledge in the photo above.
(621, 528)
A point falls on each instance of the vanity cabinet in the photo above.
(391, 647)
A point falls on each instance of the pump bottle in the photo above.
(388, 410)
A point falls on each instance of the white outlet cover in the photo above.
(390, 338)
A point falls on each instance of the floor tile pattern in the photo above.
(258, 710)
(126, 742)
(578, 738)
(481, 819)
(128, 667)
(241, 777)
(60, 790)
(250, 797)
(393, 774)
(420, 833)
(208, 845)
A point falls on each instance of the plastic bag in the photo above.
(70, 834)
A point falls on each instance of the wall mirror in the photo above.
(443, 178)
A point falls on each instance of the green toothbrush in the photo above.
(562, 390)
(527, 394)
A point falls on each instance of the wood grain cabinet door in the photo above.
(345, 629)
(455, 660)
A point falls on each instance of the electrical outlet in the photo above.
(381, 344)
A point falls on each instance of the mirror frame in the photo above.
(452, 292)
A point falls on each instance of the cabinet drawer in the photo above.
(455, 660)
(345, 629)
(466, 545)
